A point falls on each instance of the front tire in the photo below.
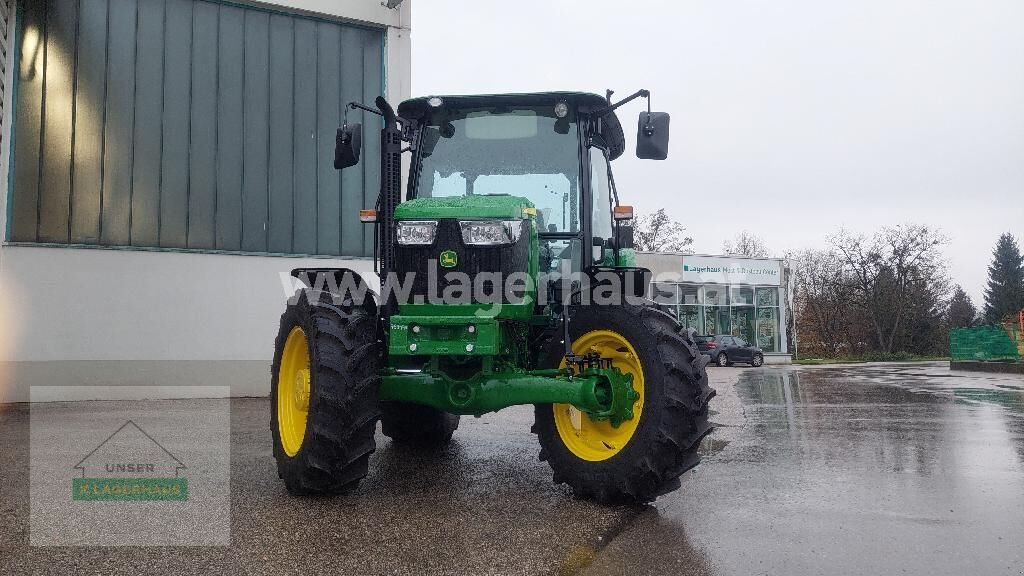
(323, 392)
(644, 457)
(757, 361)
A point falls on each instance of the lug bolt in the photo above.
(471, 329)
(415, 329)
(469, 347)
(412, 347)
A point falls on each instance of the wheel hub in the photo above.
(599, 436)
(300, 397)
(617, 394)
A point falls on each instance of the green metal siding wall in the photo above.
(189, 124)
(5, 15)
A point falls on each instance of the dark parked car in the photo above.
(724, 350)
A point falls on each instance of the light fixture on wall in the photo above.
(30, 52)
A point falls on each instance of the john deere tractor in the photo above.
(507, 277)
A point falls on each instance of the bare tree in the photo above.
(659, 233)
(887, 270)
(746, 244)
(822, 301)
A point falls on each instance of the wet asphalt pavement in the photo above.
(847, 470)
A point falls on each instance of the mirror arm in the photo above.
(611, 184)
(386, 112)
(641, 93)
(615, 197)
(363, 107)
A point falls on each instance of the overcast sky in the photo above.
(790, 119)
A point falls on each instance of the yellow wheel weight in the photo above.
(596, 440)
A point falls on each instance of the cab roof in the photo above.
(584, 102)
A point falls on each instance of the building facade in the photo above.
(166, 163)
(747, 297)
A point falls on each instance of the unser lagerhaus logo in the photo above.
(130, 465)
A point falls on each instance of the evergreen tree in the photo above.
(1004, 294)
(961, 311)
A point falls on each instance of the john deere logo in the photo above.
(449, 259)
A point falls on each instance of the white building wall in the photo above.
(130, 317)
(116, 317)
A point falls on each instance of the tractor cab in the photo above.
(543, 157)
(550, 150)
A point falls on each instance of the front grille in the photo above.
(472, 260)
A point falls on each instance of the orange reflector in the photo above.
(367, 215)
(622, 212)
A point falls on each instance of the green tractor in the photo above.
(507, 277)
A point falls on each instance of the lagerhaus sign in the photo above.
(719, 270)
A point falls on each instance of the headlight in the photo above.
(416, 232)
(490, 232)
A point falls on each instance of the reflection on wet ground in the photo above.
(484, 504)
(844, 470)
(865, 469)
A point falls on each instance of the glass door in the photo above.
(716, 320)
(742, 318)
(690, 317)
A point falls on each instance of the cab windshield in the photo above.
(525, 152)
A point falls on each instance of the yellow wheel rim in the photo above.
(293, 391)
(596, 440)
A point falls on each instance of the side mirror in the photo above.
(347, 145)
(652, 136)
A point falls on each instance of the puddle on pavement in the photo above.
(1007, 398)
(872, 385)
(882, 419)
(710, 446)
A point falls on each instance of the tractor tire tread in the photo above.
(343, 410)
(675, 416)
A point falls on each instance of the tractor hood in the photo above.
(484, 206)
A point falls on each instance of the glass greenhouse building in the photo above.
(745, 297)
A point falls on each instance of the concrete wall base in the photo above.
(111, 379)
(777, 358)
(1005, 367)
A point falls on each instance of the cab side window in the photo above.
(601, 194)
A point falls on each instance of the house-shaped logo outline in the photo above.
(179, 465)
